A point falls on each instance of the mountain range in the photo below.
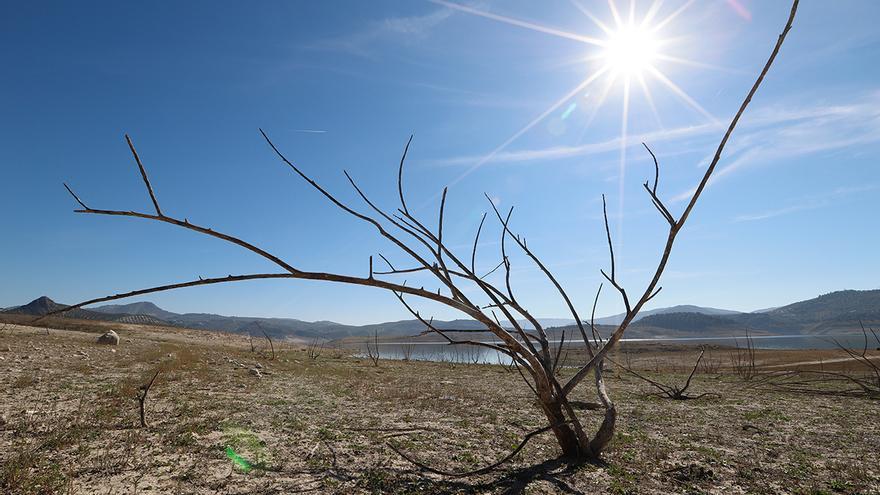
(829, 313)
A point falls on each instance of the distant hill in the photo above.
(683, 308)
(43, 305)
(829, 313)
(765, 310)
(688, 322)
(845, 304)
(138, 308)
(283, 327)
(837, 312)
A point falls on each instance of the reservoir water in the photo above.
(443, 352)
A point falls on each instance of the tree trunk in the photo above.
(605, 433)
(565, 435)
(576, 446)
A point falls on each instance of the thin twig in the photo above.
(481, 470)
(142, 399)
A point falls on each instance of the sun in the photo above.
(630, 51)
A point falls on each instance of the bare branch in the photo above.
(559, 351)
(652, 191)
(163, 288)
(75, 196)
(691, 376)
(656, 169)
(481, 470)
(490, 272)
(271, 345)
(431, 327)
(440, 222)
(717, 157)
(596, 337)
(608, 235)
(654, 294)
(142, 398)
(386, 261)
(400, 175)
(476, 240)
(143, 175)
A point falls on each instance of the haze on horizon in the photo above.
(791, 214)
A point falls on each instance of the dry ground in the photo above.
(69, 424)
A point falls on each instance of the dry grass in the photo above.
(69, 425)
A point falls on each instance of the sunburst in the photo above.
(628, 52)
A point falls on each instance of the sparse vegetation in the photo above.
(372, 348)
(323, 424)
(674, 392)
(862, 379)
(406, 350)
(743, 359)
(315, 348)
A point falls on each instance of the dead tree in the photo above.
(870, 383)
(142, 398)
(315, 348)
(373, 348)
(458, 277)
(859, 383)
(743, 359)
(672, 391)
(710, 365)
(271, 345)
(406, 351)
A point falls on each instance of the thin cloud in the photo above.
(800, 130)
(801, 133)
(409, 27)
(781, 211)
(311, 131)
(562, 152)
(808, 203)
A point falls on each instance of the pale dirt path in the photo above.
(818, 361)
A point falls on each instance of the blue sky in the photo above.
(791, 214)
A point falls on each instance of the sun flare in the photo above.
(630, 51)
